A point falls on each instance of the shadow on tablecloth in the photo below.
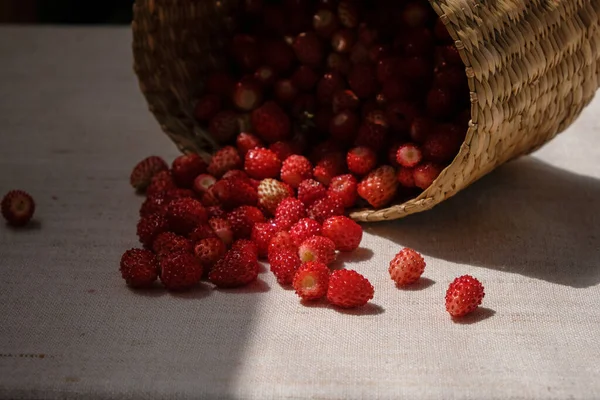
(527, 217)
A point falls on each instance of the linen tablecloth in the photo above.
(73, 123)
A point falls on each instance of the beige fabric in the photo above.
(73, 123)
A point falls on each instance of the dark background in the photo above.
(66, 11)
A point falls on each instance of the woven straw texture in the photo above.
(532, 66)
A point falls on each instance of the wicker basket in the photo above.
(532, 66)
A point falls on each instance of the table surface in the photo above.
(73, 123)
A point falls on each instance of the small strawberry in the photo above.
(328, 206)
(224, 160)
(360, 54)
(330, 166)
(305, 78)
(271, 123)
(295, 169)
(309, 49)
(409, 155)
(406, 177)
(162, 181)
(345, 187)
(243, 219)
(349, 289)
(168, 242)
(310, 191)
(304, 229)
(17, 207)
(345, 100)
(441, 102)
(400, 116)
(185, 214)
(262, 233)
(285, 91)
(282, 149)
(203, 182)
(361, 160)
(215, 212)
(247, 94)
(262, 163)
(362, 80)
(180, 271)
(271, 192)
(443, 144)
(222, 229)
(265, 75)
(343, 126)
(338, 63)
(343, 40)
(417, 14)
(149, 227)
(425, 174)
(245, 51)
(317, 248)
(234, 192)
(186, 168)
(328, 85)
(158, 202)
(371, 135)
(207, 107)
(238, 267)
(379, 187)
(420, 129)
(142, 173)
(288, 212)
(311, 281)
(325, 23)
(348, 14)
(139, 268)
(278, 55)
(202, 231)
(464, 295)
(245, 245)
(284, 264)
(281, 240)
(406, 267)
(388, 69)
(344, 232)
(209, 251)
(224, 126)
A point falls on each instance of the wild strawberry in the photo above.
(186, 168)
(304, 229)
(345, 100)
(396, 89)
(343, 126)
(234, 192)
(224, 126)
(236, 268)
(142, 173)
(209, 251)
(328, 206)
(202, 231)
(247, 94)
(262, 233)
(155, 204)
(168, 242)
(338, 63)
(409, 155)
(442, 145)
(288, 212)
(344, 232)
(360, 54)
(285, 91)
(379, 51)
(160, 182)
(464, 295)
(325, 23)
(308, 48)
(215, 212)
(224, 160)
(271, 192)
(343, 40)
(271, 123)
(328, 85)
(420, 129)
(284, 264)
(345, 187)
(17, 207)
(416, 14)
(441, 102)
(425, 174)
(185, 214)
(361, 160)
(245, 51)
(278, 55)
(202, 183)
(207, 107)
(149, 227)
(139, 268)
(243, 219)
(330, 166)
(406, 267)
(295, 169)
(348, 14)
(209, 199)
(311, 281)
(379, 187)
(222, 229)
(405, 177)
(180, 271)
(262, 163)
(282, 149)
(317, 248)
(281, 240)
(362, 80)
(388, 69)
(371, 135)
(220, 83)
(310, 191)
(349, 289)
(236, 174)
(245, 245)
(265, 75)
(400, 116)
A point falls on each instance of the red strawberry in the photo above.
(442, 145)
(158, 202)
(224, 160)
(406, 267)
(441, 102)
(345, 100)
(310, 191)
(285, 91)
(281, 240)
(186, 168)
(202, 231)
(282, 149)
(371, 135)
(343, 40)
(17, 207)
(295, 169)
(361, 160)
(304, 229)
(247, 94)
(360, 54)
(345, 187)
(379, 187)
(139, 268)
(271, 192)
(265, 75)
(317, 248)
(348, 14)
(220, 83)
(271, 123)
(224, 126)
(409, 155)
(262, 164)
(344, 232)
(417, 14)
(168, 242)
(362, 80)
(162, 181)
(425, 174)
(207, 107)
(328, 206)
(288, 212)
(330, 166)
(180, 271)
(234, 192)
(400, 116)
(222, 229)
(245, 245)
(284, 264)
(309, 49)
(142, 173)
(338, 63)
(328, 85)
(262, 233)
(349, 289)
(388, 69)
(311, 281)
(325, 23)
(238, 267)
(203, 182)
(216, 212)
(343, 126)
(242, 220)
(149, 227)
(185, 214)
(209, 251)
(464, 295)
(420, 129)
(278, 55)
(405, 177)
(245, 51)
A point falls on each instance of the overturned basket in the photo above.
(532, 66)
